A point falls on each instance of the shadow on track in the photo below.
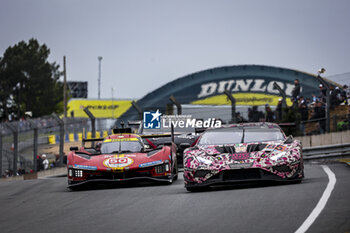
(117, 185)
(245, 185)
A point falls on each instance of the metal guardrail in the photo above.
(328, 151)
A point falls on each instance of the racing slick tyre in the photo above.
(176, 172)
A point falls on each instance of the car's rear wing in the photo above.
(91, 140)
(164, 135)
(134, 123)
(172, 143)
(199, 130)
(121, 130)
(287, 124)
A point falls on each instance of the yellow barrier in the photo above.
(54, 139)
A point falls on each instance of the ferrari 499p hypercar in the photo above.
(242, 152)
(121, 157)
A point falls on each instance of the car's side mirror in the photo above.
(73, 148)
(185, 145)
(288, 140)
(147, 147)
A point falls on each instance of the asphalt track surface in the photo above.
(46, 205)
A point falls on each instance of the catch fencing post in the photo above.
(328, 99)
(284, 96)
(138, 109)
(233, 105)
(14, 130)
(178, 105)
(0, 153)
(93, 125)
(93, 119)
(35, 149)
(61, 124)
(169, 109)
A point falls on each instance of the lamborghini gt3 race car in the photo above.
(121, 157)
(242, 152)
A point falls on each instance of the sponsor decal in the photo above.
(240, 156)
(118, 162)
(271, 147)
(121, 140)
(99, 108)
(280, 148)
(86, 167)
(242, 99)
(244, 85)
(274, 147)
(239, 166)
(240, 149)
(150, 163)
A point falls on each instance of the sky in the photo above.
(148, 43)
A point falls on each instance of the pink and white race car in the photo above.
(242, 152)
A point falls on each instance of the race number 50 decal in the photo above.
(118, 162)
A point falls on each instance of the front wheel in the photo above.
(175, 173)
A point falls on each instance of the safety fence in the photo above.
(22, 143)
(77, 137)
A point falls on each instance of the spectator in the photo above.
(269, 117)
(333, 95)
(45, 162)
(347, 91)
(319, 112)
(323, 93)
(296, 90)
(254, 115)
(308, 101)
(249, 114)
(314, 98)
(339, 95)
(239, 118)
(279, 110)
(348, 118)
(304, 112)
(39, 163)
(343, 95)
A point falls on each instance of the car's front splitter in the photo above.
(72, 183)
(239, 176)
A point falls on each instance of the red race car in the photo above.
(121, 156)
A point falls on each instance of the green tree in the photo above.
(29, 81)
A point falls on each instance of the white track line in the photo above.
(321, 203)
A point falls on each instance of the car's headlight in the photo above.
(279, 155)
(203, 160)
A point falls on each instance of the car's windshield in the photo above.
(262, 135)
(121, 146)
(240, 135)
(219, 137)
